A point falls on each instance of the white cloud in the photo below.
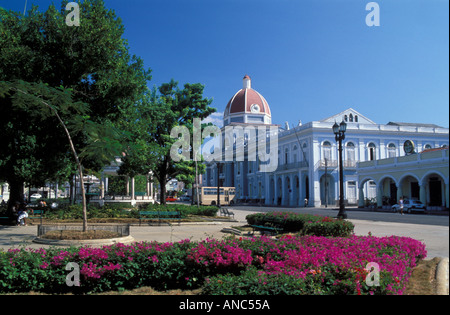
(215, 119)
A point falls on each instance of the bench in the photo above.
(160, 215)
(272, 225)
(226, 212)
(37, 214)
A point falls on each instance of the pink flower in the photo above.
(44, 265)
(154, 259)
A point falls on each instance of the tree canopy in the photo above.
(92, 67)
(156, 117)
(82, 83)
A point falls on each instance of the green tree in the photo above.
(46, 104)
(91, 61)
(154, 119)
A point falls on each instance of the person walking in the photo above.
(401, 205)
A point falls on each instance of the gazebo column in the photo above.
(106, 184)
(102, 190)
(132, 189)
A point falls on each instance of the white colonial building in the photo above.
(423, 176)
(307, 165)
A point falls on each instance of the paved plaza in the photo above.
(435, 237)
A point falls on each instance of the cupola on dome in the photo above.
(247, 106)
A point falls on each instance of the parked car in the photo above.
(171, 199)
(36, 196)
(184, 198)
(410, 206)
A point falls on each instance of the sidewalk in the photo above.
(436, 238)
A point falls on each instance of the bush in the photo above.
(257, 282)
(333, 228)
(109, 210)
(185, 210)
(305, 224)
(290, 265)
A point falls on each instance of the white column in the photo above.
(301, 197)
(275, 190)
(285, 190)
(379, 196)
(446, 195)
(291, 193)
(399, 191)
(361, 197)
(423, 193)
(102, 191)
(106, 184)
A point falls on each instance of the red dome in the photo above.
(247, 100)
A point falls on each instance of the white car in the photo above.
(410, 206)
(36, 196)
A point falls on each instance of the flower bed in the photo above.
(290, 265)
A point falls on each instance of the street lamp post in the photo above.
(339, 131)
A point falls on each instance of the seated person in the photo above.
(22, 218)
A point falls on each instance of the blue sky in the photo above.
(310, 59)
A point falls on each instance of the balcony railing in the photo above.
(290, 166)
(334, 163)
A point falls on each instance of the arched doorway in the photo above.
(327, 190)
(296, 196)
(272, 191)
(367, 193)
(306, 195)
(287, 191)
(279, 191)
(388, 188)
(409, 187)
(433, 190)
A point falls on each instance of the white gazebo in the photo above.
(130, 196)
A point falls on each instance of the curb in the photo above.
(106, 241)
(442, 277)
(176, 224)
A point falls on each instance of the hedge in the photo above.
(305, 224)
(75, 212)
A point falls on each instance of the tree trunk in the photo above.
(80, 168)
(162, 195)
(15, 193)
